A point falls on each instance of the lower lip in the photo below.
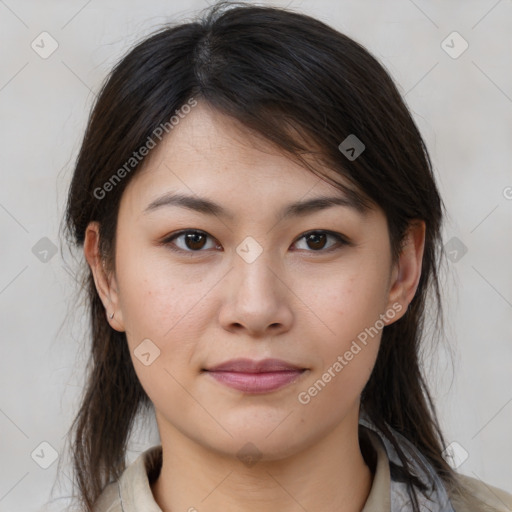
(256, 382)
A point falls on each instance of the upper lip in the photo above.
(253, 366)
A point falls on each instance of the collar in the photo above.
(435, 496)
(132, 492)
(379, 499)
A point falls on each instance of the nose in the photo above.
(257, 298)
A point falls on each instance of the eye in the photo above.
(316, 240)
(193, 240)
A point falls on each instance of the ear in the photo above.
(406, 272)
(106, 285)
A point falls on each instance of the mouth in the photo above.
(252, 376)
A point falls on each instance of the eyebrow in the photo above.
(296, 209)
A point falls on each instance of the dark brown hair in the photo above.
(291, 79)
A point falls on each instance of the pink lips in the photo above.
(255, 376)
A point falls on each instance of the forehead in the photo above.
(212, 155)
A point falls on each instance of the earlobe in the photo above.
(105, 284)
(407, 270)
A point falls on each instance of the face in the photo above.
(194, 289)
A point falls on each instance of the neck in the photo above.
(329, 476)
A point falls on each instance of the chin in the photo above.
(264, 442)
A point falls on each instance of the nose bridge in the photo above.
(254, 267)
(256, 299)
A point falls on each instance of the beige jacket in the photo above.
(133, 492)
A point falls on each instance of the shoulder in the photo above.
(494, 498)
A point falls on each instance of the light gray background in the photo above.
(463, 107)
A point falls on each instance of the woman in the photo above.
(262, 228)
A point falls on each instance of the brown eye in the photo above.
(195, 240)
(316, 240)
(191, 241)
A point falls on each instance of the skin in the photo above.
(296, 301)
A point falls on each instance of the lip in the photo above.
(252, 376)
(251, 366)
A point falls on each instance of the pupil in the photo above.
(192, 239)
(317, 245)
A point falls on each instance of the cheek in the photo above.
(345, 301)
(169, 305)
(346, 324)
(162, 318)
(346, 353)
(155, 297)
(335, 389)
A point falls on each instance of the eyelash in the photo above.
(342, 240)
